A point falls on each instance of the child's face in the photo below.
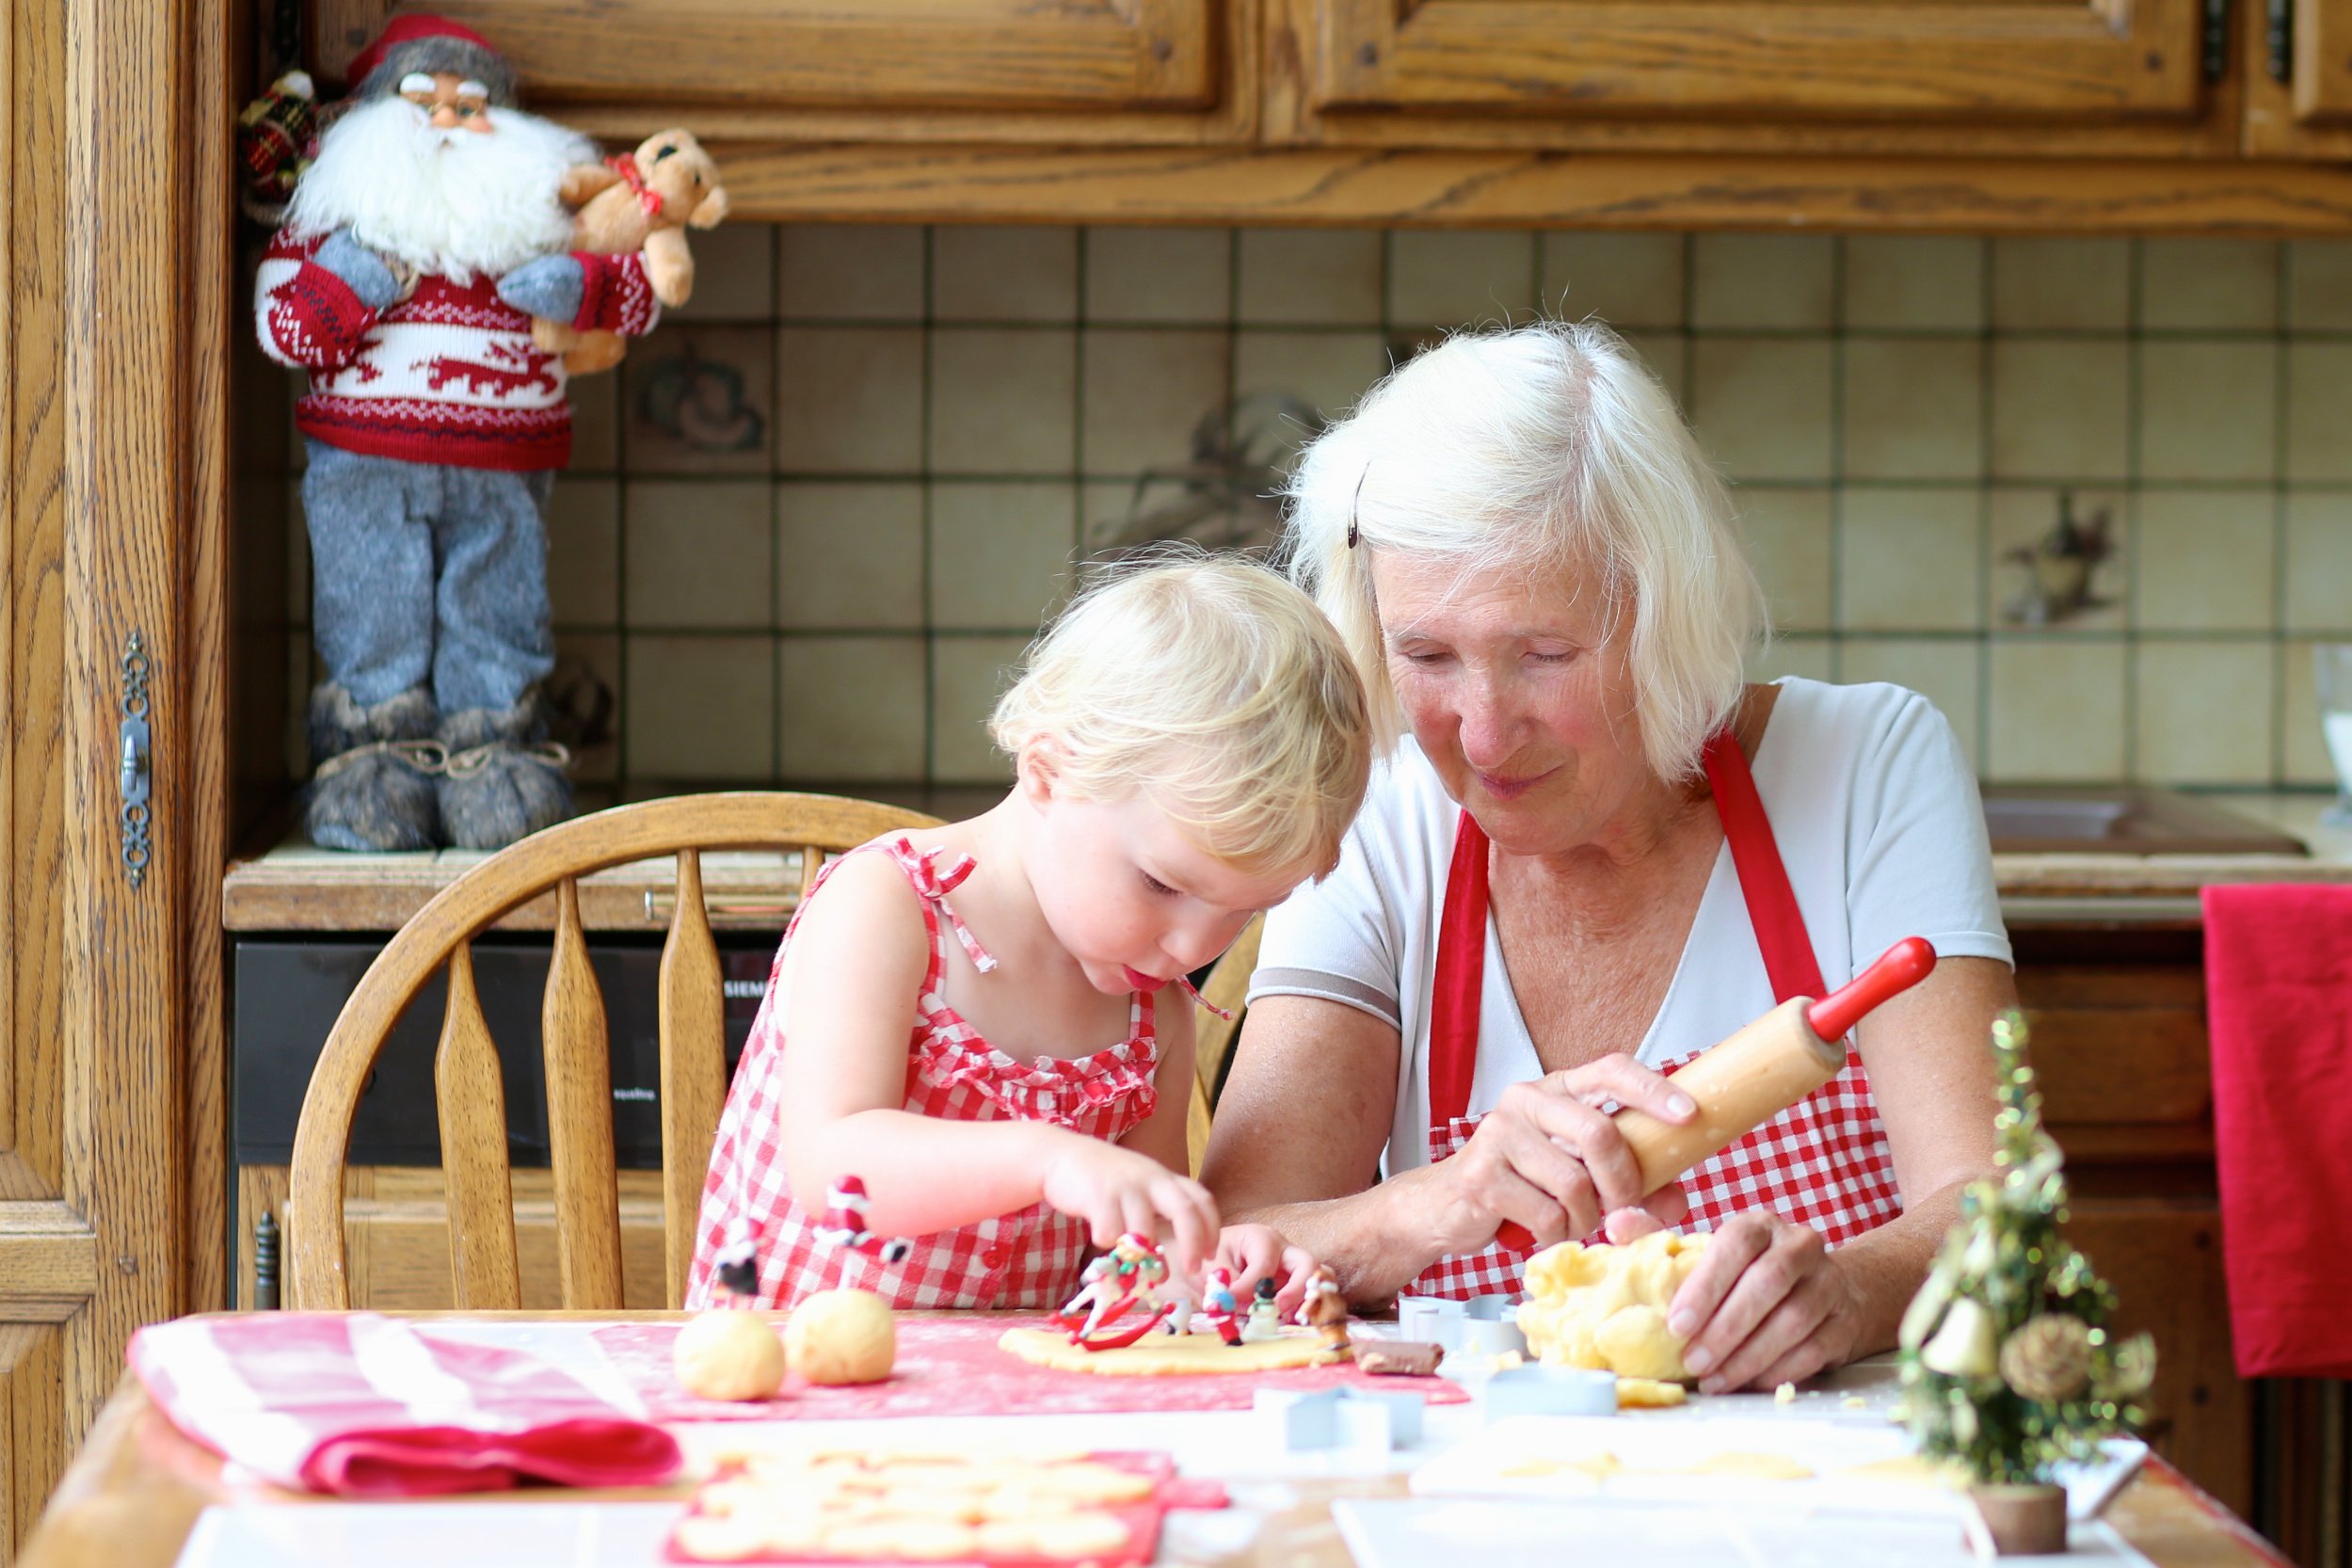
(1133, 899)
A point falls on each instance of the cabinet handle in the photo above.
(137, 781)
(265, 1263)
(2217, 61)
(2279, 36)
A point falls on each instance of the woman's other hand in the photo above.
(1549, 1158)
(1259, 1252)
(1769, 1304)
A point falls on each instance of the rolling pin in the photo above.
(1757, 1073)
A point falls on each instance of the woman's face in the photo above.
(1519, 693)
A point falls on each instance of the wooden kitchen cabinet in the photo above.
(2299, 79)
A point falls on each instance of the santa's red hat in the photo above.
(421, 41)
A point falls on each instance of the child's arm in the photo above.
(851, 980)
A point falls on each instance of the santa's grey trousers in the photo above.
(422, 569)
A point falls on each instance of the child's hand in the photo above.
(1117, 1190)
(1258, 1251)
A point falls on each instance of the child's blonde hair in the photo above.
(1215, 687)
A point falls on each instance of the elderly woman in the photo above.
(1554, 896)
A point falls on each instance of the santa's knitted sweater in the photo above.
(448, 374)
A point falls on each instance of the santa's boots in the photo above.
(371, 767)
(503, 780)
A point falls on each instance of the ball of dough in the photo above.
(1604, 1306)
(729, 1355)
(841, 1336)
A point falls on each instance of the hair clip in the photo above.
(1354, 533)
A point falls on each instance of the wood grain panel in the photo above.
(2272, 125)
(2323, 62)
(2103, 59)
(32, 1384)
(470, 1097)
(1313, 188)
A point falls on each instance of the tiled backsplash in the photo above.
(815, 516)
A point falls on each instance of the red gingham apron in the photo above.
(1029, 1259)
(1822, 1162)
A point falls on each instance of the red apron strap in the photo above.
(1780, 926)
(1453, 1041)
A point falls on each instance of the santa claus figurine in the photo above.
(416, 250)
(844, 1224)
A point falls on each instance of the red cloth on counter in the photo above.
(2278, 997)
(367, 1406)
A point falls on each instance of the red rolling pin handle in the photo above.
(1897, 970)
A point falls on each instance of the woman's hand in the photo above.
(1117, 1190)
(1549, 1159)
(1259, 1252)
(1769, 1304)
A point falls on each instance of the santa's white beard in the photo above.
(452, 201)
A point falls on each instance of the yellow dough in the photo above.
(727, 1354)
(841, 1336)
(1753, 1466)
(1647, 1394)
(1159, 1355)
(1604, 1306)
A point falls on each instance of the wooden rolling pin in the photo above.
(1757, 1073)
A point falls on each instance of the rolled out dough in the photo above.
(1164, 1355)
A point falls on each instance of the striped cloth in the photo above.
(366, 1406)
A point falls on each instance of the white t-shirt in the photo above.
(1874, 810)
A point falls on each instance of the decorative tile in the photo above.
(734, 274)
(2208, 410)
(1003, 401)
(2055, 712)
(594, 419)
(699, 709)
(1624, 280)
(1787, 535)
(2206, 284)
(1001, 553)
(1907, 560)
(1914, 408)
(2319, 562)
(2319, 285)
(2060, 409)
(1180, 275)
(700, 400)
(2020, 519)
(1776, 281)
(2206, 561)
(1667, 355)
(583, 552)
(1328, 371)
(699, 553)
(849, 399)
(1145, 393)
(852, 708)
(1460, 277)
(2319, 411)
(849, 272)
(596, 655)
(1762, 406)
(1311, 275)
(2070, 284)
(983, 273)
(967, 675)
(1914, 282)
(2303, 743)
(1807, 657)
(2204, 713)
(849, 556)
(1943, 670)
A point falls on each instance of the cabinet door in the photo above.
(716, 65)
(2299, 79)
(1900, 60)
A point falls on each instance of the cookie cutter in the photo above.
(1536, 1389)
(1454, 1324)
(1348, 1417)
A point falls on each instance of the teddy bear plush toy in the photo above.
(417, 250)
(639, 203)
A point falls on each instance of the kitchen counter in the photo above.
(2065, 888)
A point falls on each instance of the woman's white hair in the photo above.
(1534, 445)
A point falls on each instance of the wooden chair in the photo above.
(1212, 1036)
(471, 1097)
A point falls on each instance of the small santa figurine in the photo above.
(416, 250)
(844, 1224)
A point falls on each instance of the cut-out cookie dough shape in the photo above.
(1162, 1355)
(1604, 1306)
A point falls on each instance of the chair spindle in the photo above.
(579, 1116)
(471, 1099)
(694, 1069)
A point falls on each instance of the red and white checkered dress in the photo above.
(1026, 1259)
(1823, 1163)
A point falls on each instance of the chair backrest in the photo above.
(1212, 1036)
(469, 1093)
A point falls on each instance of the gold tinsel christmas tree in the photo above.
(2008, 1364)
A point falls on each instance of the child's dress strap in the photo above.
(933, 873)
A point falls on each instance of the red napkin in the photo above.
(2279, 998)
(367, 1406)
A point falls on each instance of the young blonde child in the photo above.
(988, 1022)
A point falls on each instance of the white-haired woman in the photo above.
(1553, 894)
